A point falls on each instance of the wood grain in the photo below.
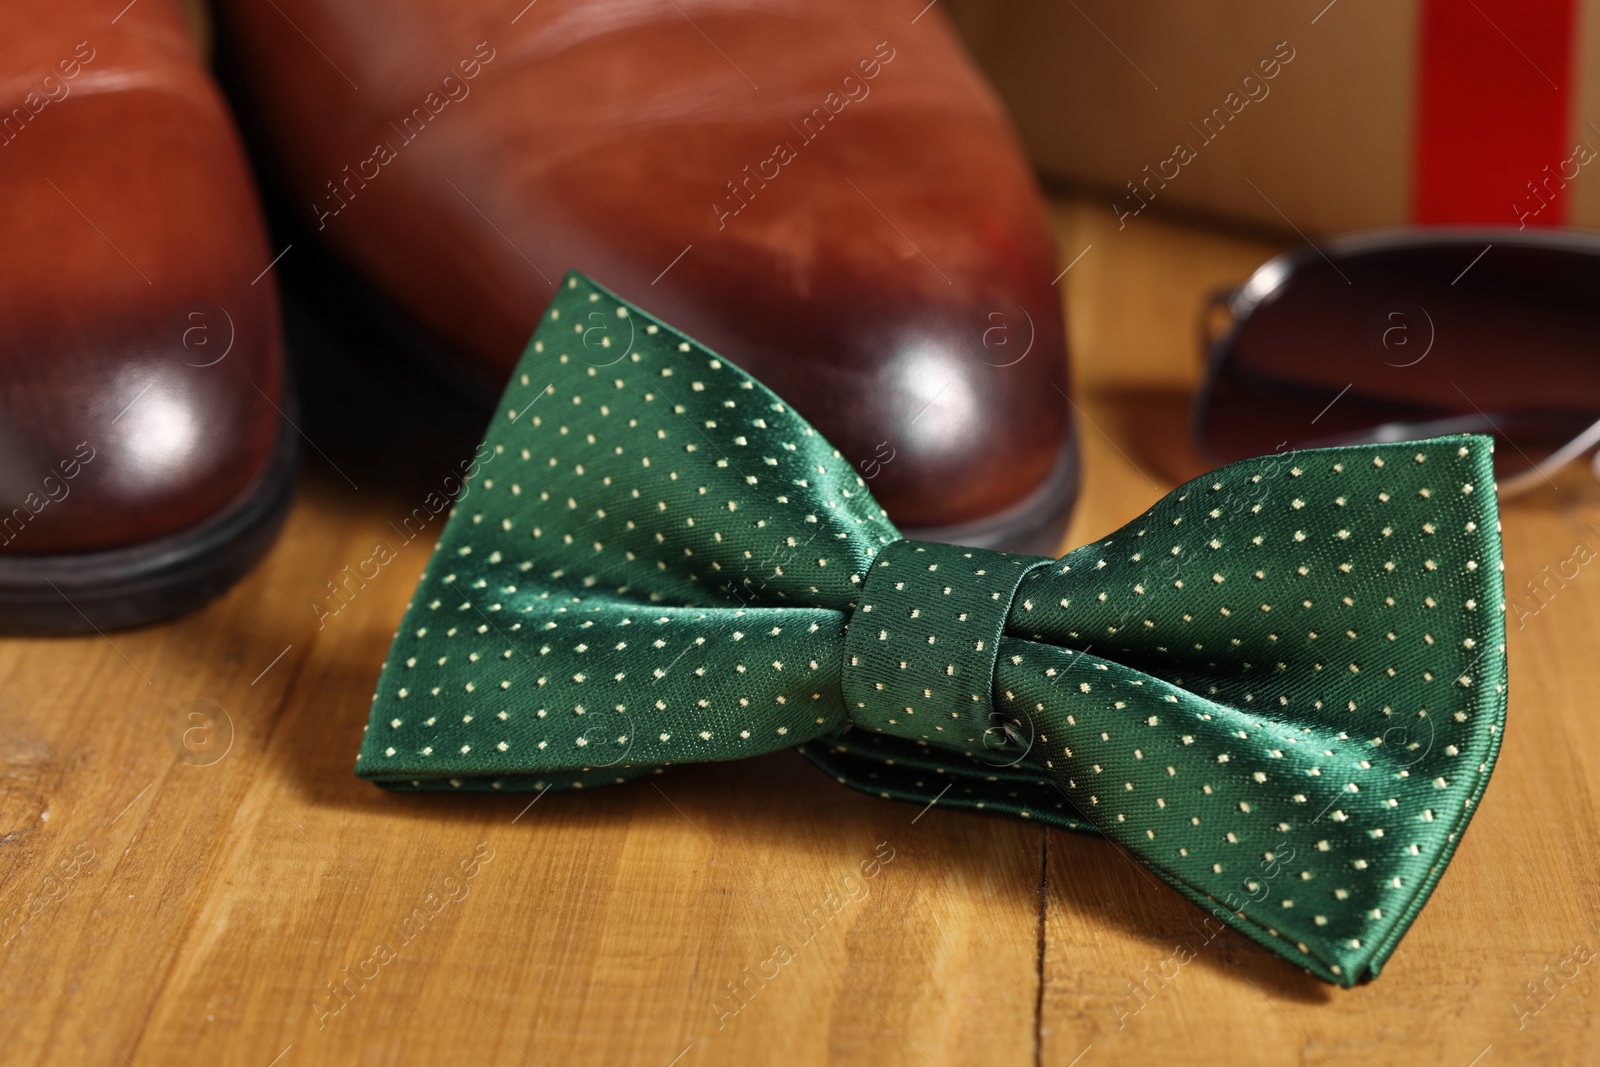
(261, 906)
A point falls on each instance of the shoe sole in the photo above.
(91, 592)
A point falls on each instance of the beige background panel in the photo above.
(1329, 146)
(1583, 204)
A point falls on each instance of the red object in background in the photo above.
(1488, 129)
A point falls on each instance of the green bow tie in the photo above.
(1281, 688)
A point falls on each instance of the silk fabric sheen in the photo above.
(1282, 688)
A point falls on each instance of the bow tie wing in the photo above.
(1292, 686)
(652, 562)
(1282, 688)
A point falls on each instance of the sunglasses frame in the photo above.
(1269, 279)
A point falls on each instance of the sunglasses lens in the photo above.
(1400, 343)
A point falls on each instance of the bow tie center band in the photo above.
(1282, 688)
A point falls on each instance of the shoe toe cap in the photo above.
(142, 347)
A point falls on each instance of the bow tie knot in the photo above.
(921, 645)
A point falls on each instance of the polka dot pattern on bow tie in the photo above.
(560, 638)
(1282, 685)
(921, 644)
(1282, 688)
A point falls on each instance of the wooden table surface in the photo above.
(191, 871)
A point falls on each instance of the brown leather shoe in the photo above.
(143, 461)
(825, 192)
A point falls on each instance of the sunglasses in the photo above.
(1400, 334)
